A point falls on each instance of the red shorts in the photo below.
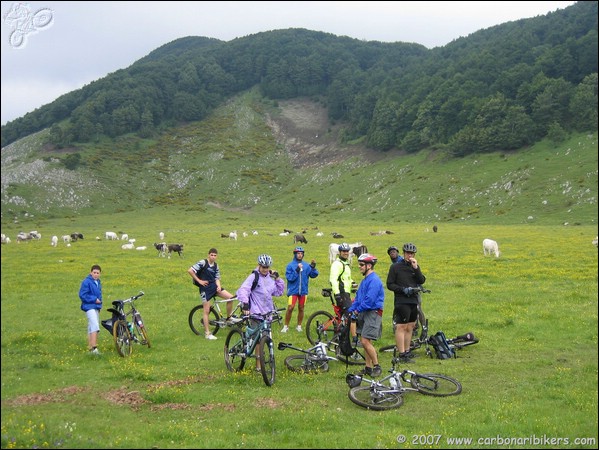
(294, 298)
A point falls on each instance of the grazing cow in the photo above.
(111, 236)
(22, 236)
(143, 247)
(66, 238)
(360, 250)
(337, 235)
(75, 236)
(125, 237)
(300, 238)
(320, 234)
(35, 235)
(255, 233)
(244, 234)
(5, 239)
(127, 246)
(490, 247)
(54, 241)
(178, 248)
(161, 236)
(284, 233)
(334, 251)
(233, 235)
(161, 247)
(435, 229)
(595, 241)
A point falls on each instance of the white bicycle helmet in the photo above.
(367, 258)
(265, 260)
(344, 247)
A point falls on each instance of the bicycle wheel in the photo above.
(196, 320)
(435, 384)
(122, 338)
(143, 333)
(320, 321)
(379, 398)
(235, 350)
(266, 352)
(306, 364)
(387, 349)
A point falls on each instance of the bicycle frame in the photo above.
(216, 319)
(314, 360)
(387, 392)
(127, 326)
(246, 341)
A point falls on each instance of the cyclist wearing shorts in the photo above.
(367, 311)
(298, 274)
(402, 277)
(206, 275)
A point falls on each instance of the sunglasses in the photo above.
(361, 264)
(264, 267)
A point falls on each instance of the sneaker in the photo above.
(366, 371)
(285, 329)
(95, 351)
(299, 328)
(377, 371)
(211, 337)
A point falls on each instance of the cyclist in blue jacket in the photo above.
(90, 294)
(298, 274)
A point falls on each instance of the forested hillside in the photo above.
(501, 88)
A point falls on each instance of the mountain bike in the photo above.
(216, 318)
(422, 339)
(387, 393)
(253, 339)
(313, 360)
(322, 326)
(127, 327)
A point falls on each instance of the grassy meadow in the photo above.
(533, 374)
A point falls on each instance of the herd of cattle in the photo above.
(490, 247)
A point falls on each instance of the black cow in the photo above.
(435, 228)
(300, 238)
(75, 236)
(175, 248)
(359, 250)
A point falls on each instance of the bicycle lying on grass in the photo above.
(216, 319)
(387, 393)
(313, 360)
(253, 339)
(322, 326)
(127, 327)
(423, 338)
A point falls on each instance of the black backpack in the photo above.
(442, 349)
(195, 283)
(345, 341)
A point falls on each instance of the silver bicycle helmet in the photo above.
(393, 247)
(409, 247)
(344, 247)
(298, 249)
(265, 260)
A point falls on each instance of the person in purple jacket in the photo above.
(90, 294)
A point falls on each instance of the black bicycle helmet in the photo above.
(367, 258)
(393, 247)
(409, 247)
(344, 247)
(265, 260)
(298, 249)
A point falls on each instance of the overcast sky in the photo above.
(51, 48)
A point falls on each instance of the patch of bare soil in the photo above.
(56, 396)
(304, 130)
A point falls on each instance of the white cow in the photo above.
(54, 241)
(334, 251)
(127, 246)
(595, 241)
(66, 238)
(161, 236)
(111, 235)
(233, 235)
(125, 237)
(490, 247)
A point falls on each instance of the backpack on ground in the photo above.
(439, 343)
(345, 341)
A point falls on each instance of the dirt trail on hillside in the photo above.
(304, 130)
